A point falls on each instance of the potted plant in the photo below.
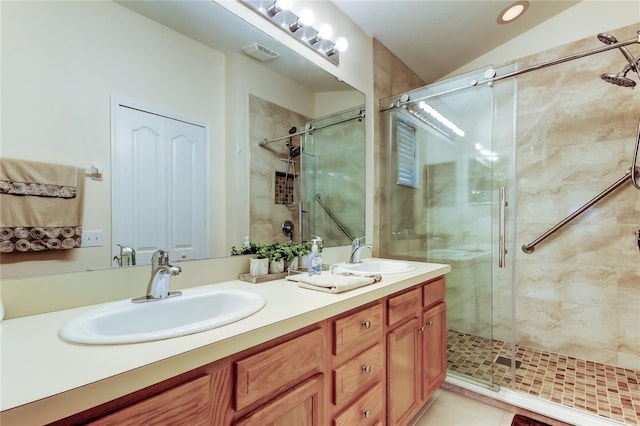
(276, 254)
(259, 263)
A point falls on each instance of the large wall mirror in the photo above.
(66, 64)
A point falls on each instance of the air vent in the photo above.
(260, 52)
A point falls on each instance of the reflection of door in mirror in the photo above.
(159, 185)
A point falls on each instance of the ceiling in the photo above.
(436, 37)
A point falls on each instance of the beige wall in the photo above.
(61, 63)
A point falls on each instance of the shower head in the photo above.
(620, 79)
(607, 38)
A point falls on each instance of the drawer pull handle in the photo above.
(421, 329)
(366, 413)
(366, 369)
(429, 323)
(366, 324)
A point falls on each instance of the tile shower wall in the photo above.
(579, 293)
(390, 77)
(268, 120)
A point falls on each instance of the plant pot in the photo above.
(258, 267)
(276, 266)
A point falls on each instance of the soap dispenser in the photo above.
(315, 258)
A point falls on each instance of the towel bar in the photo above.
(95, 172)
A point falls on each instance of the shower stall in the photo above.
(480, 169)
(309, 181)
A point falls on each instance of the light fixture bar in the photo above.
(299, 27)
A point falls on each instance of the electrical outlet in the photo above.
(92, 238)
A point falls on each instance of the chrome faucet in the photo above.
(161, 271)
(357, 246)
(127, 256)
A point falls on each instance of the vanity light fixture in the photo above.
(513, 11)
(304, 20)
(300, 27)
(277, 7)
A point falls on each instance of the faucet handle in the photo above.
(160, 257)
(358, 240)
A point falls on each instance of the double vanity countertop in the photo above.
(43, 378)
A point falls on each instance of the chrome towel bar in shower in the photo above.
(528, 248)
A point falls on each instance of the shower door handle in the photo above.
(502, 251)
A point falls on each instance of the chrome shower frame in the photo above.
(405, 100)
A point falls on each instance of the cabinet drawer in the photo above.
(404, 306)
(366, 411)
(188, 403)
(357, 374)
(268, 371)
(357, 331)
(434, 292)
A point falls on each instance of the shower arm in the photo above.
(529, 248)
(399, 103)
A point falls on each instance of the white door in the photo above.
(159, 185)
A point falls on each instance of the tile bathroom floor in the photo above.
(599, 389)
(453, 409)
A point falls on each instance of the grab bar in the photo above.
(334, 217)
(528, 248)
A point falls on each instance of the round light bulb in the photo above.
(325, 31)
(284, 4)
(306, 17)
(342, 44)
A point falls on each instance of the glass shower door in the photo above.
(333, 178)
(442, 205)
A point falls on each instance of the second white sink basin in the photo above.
(378, 266)
(194, 311)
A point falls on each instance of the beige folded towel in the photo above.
(36, 223)
(22, 177)
(333, 283)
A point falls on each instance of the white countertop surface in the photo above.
(35, 364)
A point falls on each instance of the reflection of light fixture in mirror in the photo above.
(277, 7)
(300, 27)
(304, 20)
(513, 11)
(341, 45)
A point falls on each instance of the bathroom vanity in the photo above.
(370, 356)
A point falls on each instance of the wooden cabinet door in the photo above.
(403, 372)
(303, 405)
(185, 404)
(434, 349)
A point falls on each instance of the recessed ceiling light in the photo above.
(512, 11)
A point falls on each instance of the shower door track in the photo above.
(529, 248)
(401, 102)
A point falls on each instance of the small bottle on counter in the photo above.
(315, 258)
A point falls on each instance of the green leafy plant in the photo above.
(274, 251)
(252, 248)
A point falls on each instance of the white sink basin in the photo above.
(377, 266)
(194, 311)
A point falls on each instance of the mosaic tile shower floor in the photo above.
(600, 389)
